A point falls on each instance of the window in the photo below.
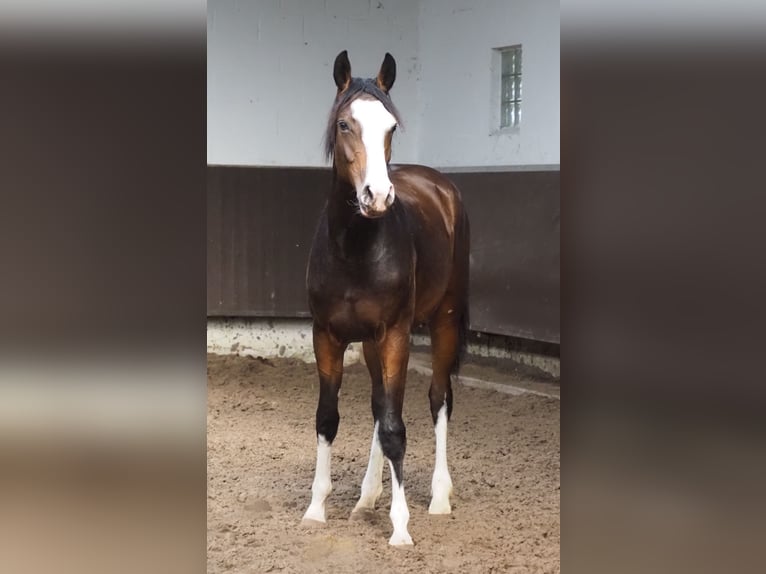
(510, 87)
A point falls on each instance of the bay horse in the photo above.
(390, 251)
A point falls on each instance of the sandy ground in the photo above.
(503, 455)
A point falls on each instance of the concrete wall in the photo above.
(270, 85)
(291, 338)
(456, 41)
(270, 77)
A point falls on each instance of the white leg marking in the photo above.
(372, 485)
(400, 514)
(441, 484)
(322, 485)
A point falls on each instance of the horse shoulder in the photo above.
(429, 195)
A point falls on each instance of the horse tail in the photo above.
(461, 264)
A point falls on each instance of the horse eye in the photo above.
(343, 126)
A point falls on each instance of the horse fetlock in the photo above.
(441, 486)
(441, 490)
(400, 518)
(321, 489)
(400, 513)
(369, 498)
(440, 505)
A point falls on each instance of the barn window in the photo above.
(510, 86)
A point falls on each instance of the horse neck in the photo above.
(340, 204)
(344, 220)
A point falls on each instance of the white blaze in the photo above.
(375, 121)
(322, 485)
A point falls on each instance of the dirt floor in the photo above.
(503, 453)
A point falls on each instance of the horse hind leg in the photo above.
(372, 484)
(448, 327)
(445, 348)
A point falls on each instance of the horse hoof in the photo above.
(440, 507)
(398, 539)
(311, 523)
(313, 517)
(363, 505)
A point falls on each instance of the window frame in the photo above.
(497, 101)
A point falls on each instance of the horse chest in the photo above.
(354, 301)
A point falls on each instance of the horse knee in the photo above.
(327, 423)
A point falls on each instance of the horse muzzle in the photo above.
(375, 204)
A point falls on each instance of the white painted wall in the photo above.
(270, 86)
(270, 77)
(456, 42)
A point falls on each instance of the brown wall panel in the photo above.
(261, 222)
(515, 281)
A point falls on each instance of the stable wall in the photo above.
(270, 82)
(270, 86)
(456, 39)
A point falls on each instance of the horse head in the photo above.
(362, 123)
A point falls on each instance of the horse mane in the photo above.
(356, 87)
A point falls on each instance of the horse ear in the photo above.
(387, 73)
(342, 71)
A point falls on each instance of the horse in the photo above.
(390, 252)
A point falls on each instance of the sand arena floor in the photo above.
(503, 453)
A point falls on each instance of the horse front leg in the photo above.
(329, 356)
(394, 353)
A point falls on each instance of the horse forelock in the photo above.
(356, 88)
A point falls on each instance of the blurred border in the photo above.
(662, 286)
(102, 297)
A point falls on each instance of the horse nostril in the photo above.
(367, 193)
(390, 197)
